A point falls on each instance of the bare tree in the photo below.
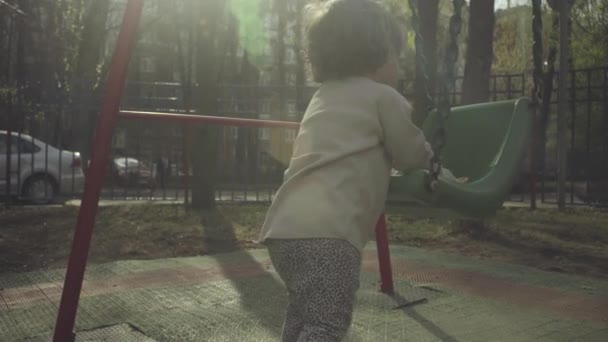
(426, 69)
(86, 74)
(280, 8)
(476, 84)
(247, 142)
(211, 16)
(300, 63)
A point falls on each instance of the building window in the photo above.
(291, 108)
(291, 135)
(147, 64)
(291, 78)
(291, 6)
(264, 134)
(291, 57)
(147, 38)
(290, 37)
(265, 109)
(119, 139)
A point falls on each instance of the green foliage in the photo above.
(251, 26)
(513, 39)
(590, 33)
(67, 19)
(6, 92)
(513, 36)
(510, 54)
(402, 11)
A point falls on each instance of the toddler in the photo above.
(356, 128)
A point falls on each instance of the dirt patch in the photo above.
(573, 242)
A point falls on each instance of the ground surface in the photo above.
(574, 242)
(238, 297)
(522, 276)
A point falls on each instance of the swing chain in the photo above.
(421, 61)
(537, 51)
(447, 87)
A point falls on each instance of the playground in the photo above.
(134, 191)
(238, 297)
(528, 276)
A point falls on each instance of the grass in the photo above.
(575, 241)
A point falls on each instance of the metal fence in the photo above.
(151, 161)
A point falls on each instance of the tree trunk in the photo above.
(476, 84)
(185, 55)
(477, 71)
(90, 52)
(184, 64)
(204, 152)
(5, 28)
(247, 147)
(204, 164)
(428, 11)
(281, 13)
(564, 61)
(20, 24)
(301, 101)
(545, 110)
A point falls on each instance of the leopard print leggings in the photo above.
(321, 276)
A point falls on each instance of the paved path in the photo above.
(238, 297)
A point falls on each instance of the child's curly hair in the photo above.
(348, 38)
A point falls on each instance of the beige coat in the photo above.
(353, 132)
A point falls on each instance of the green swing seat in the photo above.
(486, 142)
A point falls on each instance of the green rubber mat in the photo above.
(114, 333)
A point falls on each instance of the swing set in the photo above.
(503, 127)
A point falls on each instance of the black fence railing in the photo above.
(154, 161)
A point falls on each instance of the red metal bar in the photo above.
(9, 142)
(100, 154)
(186, 160)
(384, 257)
(207, 120)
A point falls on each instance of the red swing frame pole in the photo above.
(66, 317)
(384, 257)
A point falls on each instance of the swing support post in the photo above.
(384, 257)
(64, 327)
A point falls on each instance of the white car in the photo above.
(39, 172)
(130, 171)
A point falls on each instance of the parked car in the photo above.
(128, 171)
(39, 172)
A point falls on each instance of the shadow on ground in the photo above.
(251, 301)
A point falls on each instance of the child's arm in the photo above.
(404, 142)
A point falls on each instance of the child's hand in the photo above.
(448, 174)
(429, 151)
